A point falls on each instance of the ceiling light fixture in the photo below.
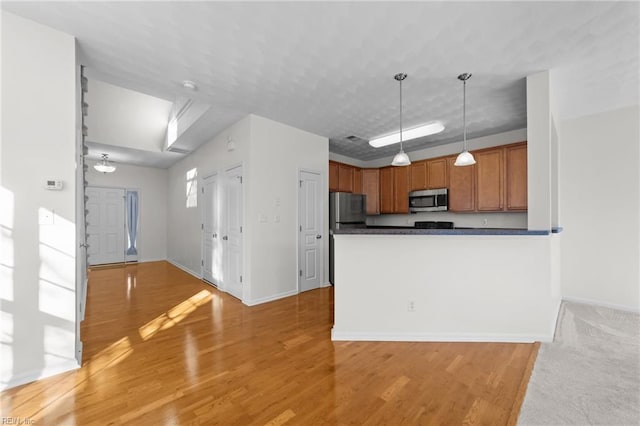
(465, 158)
(190, 85)
(401, 158)
(104, 165)
(414, 133)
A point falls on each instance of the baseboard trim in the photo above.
(270, 298)
(437, 337)
(32, 376)
(185, 269)
(153, 260)
(327, 284)
(601, 304)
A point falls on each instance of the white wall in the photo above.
(152, 186)
(38, 253)
(183, 224)
(278, 152)
(271, 154)
(539, 170)
(599, 206)
(463, 288)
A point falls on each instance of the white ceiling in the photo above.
(327, 67)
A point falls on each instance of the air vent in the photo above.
(353, 138)
(178, 150)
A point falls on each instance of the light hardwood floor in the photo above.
(163, 348)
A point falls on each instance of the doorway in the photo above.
(232, 240)
(310, 219)
(112, 225)
(211, 238)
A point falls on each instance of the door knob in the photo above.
(318, 236)
(225, 238)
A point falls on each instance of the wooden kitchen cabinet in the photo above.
(386, 190)
(418, 176)
(371, 188)
(516, 177)
(437, 176)
(357, 180)
(461, 187)
(345, 178)
(333, 176)
(401, 189)
(490, 179)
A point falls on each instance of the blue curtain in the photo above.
(132, 221)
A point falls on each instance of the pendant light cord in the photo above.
(464, 112)
(400, 115)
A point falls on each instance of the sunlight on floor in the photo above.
(174, 315)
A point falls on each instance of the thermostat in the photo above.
(55, 185)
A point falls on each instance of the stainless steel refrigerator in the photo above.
(346, 210)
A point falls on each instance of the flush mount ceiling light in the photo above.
(189, 85)
(104, 165)
(414, 133)
(401, 158)
(464, 158)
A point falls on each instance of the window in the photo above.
(192, 188)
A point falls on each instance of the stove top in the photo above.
(430, 224)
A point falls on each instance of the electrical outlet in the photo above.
(411, 306)
(485, 222)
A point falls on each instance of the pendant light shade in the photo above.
(104, 166)
(465, 158)
(401, 158)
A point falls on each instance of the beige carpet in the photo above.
(590, 374)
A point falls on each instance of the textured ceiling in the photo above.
(328, 67)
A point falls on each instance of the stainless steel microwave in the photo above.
(429, 200)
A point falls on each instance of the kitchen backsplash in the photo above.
(465, 220)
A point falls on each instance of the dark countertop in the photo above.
(387, 230)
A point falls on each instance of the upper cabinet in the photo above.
(418, 176)
(497, 182)
(516, 171)
(371, 188)
(489, 180)
(400, 189)
(437, 176)
(357, 180)
(345, 178)
(461, 187)
(386, 190)
(333, 176)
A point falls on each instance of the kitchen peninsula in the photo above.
(499, 285)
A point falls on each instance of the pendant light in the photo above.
(401, 158)
(464, 158)
(104, 165)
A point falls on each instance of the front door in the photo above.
(212, 252)
(232, 240)
(310, 243)
(105, 225)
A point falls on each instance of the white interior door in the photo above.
(310, 242)
(105, 225)
(211, 238)
(232, 238)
